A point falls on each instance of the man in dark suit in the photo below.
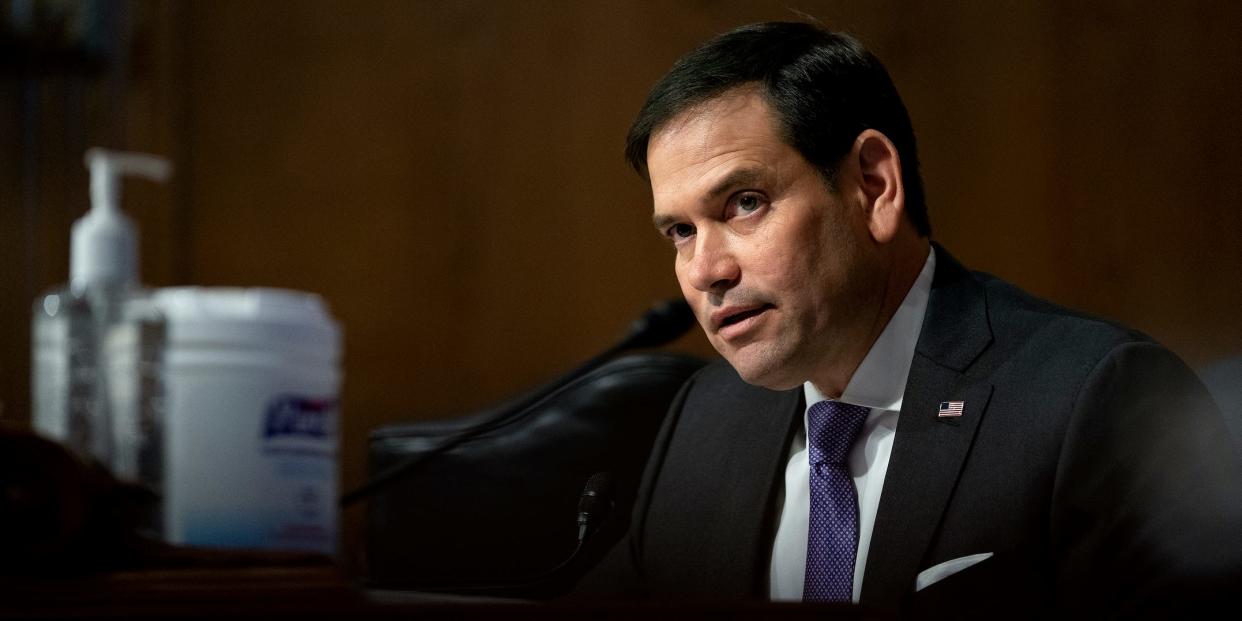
(891, 429)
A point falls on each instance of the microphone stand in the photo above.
(663, 323)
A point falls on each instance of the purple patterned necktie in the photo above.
(832, 533)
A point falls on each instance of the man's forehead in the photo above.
(728, 141)
(716, 129)
(735, 113)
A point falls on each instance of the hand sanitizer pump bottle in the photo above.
(70, 395)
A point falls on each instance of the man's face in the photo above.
(780, 270)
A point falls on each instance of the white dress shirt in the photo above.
(878, 383)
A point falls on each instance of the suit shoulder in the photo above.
(1019, 318)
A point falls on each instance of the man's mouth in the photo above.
(736, 317)
(730, 317)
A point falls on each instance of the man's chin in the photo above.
(764, 373)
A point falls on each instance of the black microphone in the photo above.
(661, 324)
(595, 505)
(665, 322)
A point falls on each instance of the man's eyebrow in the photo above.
(735, 178)
(662, 221)
(740, 176)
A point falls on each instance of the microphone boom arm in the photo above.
(661, 324)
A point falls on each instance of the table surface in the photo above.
(320, 591)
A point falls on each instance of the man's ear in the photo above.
(879, 168)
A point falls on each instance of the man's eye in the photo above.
(680, 231)
(748, 203)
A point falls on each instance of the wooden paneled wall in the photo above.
(448, 174)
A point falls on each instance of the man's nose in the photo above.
(714, 268)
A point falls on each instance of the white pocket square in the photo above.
(936, 573)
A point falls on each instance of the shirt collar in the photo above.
(880, 380)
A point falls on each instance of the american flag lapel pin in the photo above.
(951, 409)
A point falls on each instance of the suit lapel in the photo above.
(929, 450)
(755, 522)
(714, 505)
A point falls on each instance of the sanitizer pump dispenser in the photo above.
(69, 383)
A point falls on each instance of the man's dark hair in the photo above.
(824, 86)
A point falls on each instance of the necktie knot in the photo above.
(832, 427)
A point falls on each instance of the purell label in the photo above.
(295, 424)
(299, 442)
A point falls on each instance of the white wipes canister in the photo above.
(252, 381)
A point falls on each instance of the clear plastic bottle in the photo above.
(69, 398)
(70, 323)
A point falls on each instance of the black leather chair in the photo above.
(495, 512)
(1224, 380)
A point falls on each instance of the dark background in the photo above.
(448, 174)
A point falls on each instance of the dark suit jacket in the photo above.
(1088, 459)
